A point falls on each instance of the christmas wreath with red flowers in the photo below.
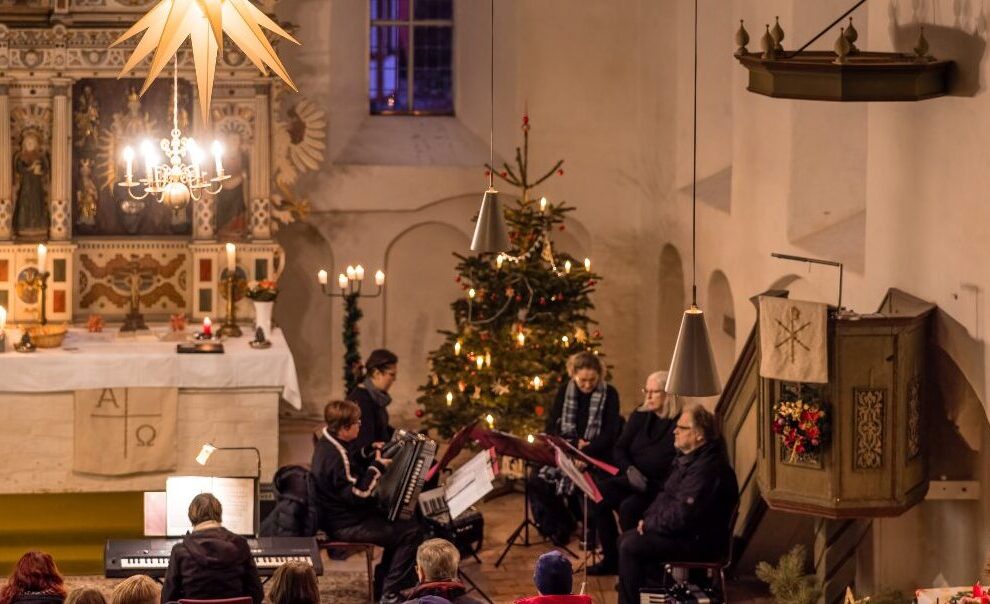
(801, 420)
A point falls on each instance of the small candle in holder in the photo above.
(587, 264)
(3, 318)
(359, 273)
(218, 157)
(350, 272)
(379, 278)
(231, 258)
(322, 276)
(42, 257)
(207, 327)
(129, 160)
(342, 281)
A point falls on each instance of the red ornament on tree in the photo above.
(419, 413)
(539, 410)
(560, 172)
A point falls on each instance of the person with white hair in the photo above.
(644, 454)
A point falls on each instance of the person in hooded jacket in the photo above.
(34, 580)
(211, 562)
(553, 576)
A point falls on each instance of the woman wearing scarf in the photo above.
(586, 412)
(372, 397)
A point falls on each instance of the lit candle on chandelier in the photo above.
(196, 156)
(379, 278)
(342, 281)
(207, 327)
(322, 276)
(359, 273)
(218, 157)
(231, 258)
(148, 153)
(129, 159)
(350, 272)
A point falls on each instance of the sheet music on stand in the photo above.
(581, 480)
(236, 495)
(466, 485)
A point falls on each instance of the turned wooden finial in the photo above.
(841, 47)
(768, 46)
(852, 35)
(777, 33)
(742, 39)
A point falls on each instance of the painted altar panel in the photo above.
(106, 270)
(233, 127)
(108, 115)
(30, 145)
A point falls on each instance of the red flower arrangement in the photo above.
(802, 426)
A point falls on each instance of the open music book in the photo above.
(236, 495)
(464, 487)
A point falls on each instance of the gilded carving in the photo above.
(868, 409)
(299, 133)
(914, 418)
(105, 286)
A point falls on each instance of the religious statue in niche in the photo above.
(32, 172)
(109, 115)
(235, 131)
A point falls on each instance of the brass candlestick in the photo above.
(134, 320)
(40, 281)
(229, 327)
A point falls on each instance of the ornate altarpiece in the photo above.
(67, 118)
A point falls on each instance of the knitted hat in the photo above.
(431, 600)
(379, 359)
(553, 574)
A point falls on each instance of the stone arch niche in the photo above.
(306, 315)
(721, 315)
(420, 266)
(671, 303)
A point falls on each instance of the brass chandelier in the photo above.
(174, 182)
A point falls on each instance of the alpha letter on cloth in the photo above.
(793, 345)
(122, 431)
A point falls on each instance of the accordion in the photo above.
(398, 492)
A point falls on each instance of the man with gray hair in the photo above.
(437, 562)
(644, 453)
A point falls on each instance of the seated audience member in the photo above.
(343, 501)
(210, 562)
(139, 589)
(554, 579)
(643, 453)
(85, 595)
(585, 412)
(689, 519)
(371, 395)
(34, 580)
(294, 583)
(437, 561)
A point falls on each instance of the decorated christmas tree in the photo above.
(522, 315)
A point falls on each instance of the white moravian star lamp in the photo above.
(170, 22)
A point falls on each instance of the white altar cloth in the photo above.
(109, 360)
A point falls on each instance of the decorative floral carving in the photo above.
(868, 407)
(914, 418)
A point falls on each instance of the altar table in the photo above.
(228, 399)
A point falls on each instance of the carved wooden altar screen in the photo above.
(67, 119)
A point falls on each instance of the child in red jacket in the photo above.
(554, 579)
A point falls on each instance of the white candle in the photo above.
(450, 398)
(457, 348)
(491, 420)
(231, 258)
(42, 257)
(587, 264)
(530, 438)
(471, 293)
(218, 157)
(521, 338)
(342, 281)
(148, 152)
(322, 276)
(207, 327)
(499, 260)
(479, 361)
(567, 267)
(196, 156)
(359, 272)
(350, 272)
(380, 278)
(543, 204)
(129, 158)
(3, 318)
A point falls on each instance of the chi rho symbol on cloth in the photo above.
(791, 332)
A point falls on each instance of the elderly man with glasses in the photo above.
(644, 453)
(689, 519)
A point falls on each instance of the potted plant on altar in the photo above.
(262, 294)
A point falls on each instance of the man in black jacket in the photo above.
(344, 504)
(210, 562)
(689, 519)
(644, 454)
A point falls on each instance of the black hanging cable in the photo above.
(694, 172)
(491, 125)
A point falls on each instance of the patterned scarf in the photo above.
(379, 396)
(568, 429)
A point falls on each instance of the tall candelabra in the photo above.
(230, 327)
(349, 285)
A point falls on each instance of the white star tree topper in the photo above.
(170, 22)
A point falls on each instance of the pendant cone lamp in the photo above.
(692, 370)
(490, 232)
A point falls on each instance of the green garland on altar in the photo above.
(352, 342)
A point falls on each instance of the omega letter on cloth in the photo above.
(122, 431)
(793, 340)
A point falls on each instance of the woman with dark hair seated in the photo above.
(211, 563)
(34, 580)
(294, 583)
(371, 395)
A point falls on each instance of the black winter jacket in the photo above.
(37, 597)
(600, 447)
(647, 442)
(697, 500)
(374, 424)
(210, 564)
(339, 495)
(454, 591)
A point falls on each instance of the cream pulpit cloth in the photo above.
(97, 361)
(793, 340)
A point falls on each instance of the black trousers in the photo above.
(400, 540)
(556, 516)
(618, 496)
(642, 559)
